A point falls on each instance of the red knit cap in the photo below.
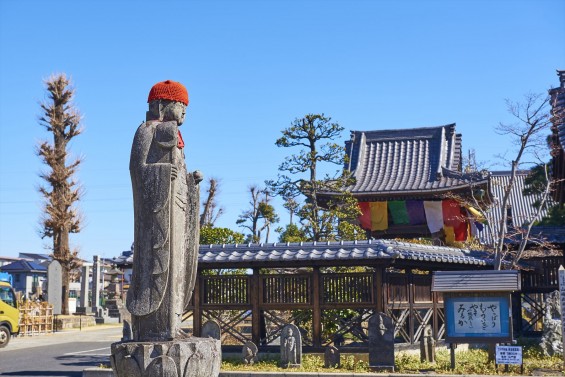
(169, 90)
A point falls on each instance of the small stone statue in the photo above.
(428, 346)
(381, 343)
(166, 205)
(211, 329)
(332, 357)
(249, 353)
(291, 347)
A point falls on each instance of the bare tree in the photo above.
(261, 209)
(60, 216)
(210, 209)
(528, 133)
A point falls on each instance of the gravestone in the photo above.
(291, 347)
(249, 353)
(165, 252)
(332, 357)
(211, 329)
(381, 343)
(427, 346)
(55, 286)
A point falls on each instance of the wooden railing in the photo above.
(350, 288)
(268, 300)
(545, 276)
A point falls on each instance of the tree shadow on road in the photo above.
(79, 362)
(84, 360)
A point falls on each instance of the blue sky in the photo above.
(251, 67)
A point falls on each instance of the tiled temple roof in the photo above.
(407, 162)
(246, 254)
(521, 205)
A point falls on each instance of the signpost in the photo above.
(562, 301)
(477, 306)
(509, 355)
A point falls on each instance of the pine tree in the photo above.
(334, 219)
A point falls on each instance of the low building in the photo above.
(28, 277)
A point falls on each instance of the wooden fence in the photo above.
(328, 307)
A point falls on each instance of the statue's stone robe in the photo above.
(165, 234)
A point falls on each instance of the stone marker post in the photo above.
(55, 286)
(84, 286)
(96, 286)
(165, 254)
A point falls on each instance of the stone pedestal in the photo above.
(194, 357)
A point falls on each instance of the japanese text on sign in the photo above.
(474, 317)
(508, 355)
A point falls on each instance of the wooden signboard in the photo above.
(478, 318)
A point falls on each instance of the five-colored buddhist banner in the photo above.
(447, 215)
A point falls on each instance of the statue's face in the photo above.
(289, 332)
(174, 111)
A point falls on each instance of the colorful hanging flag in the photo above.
(398, 212)
(434, 215)
(365, 217)
(454, 218)
(416, 213)
(379, 216)
(449, 234)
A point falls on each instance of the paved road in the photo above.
(61, 354)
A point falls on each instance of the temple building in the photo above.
(410, 183)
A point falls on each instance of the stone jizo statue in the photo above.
(166, 202)
(211, 329)
(249, 353)
(166, 233)
(381, 343)
(332, 357)
(291, 347)
(428, 346)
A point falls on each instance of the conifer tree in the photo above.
(314, 135)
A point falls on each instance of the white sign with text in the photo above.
(474, 317)
(509, 355)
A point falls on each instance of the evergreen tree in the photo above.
(334, 219)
